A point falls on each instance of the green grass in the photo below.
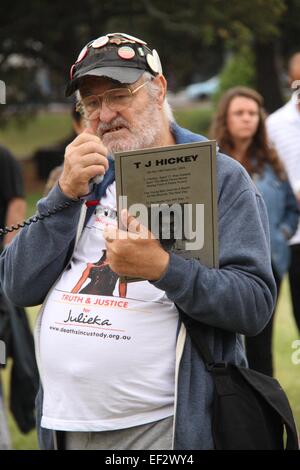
(285, 334)
(196, 119)
(41, 130)
(31, 200)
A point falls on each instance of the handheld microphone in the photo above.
(97, 179)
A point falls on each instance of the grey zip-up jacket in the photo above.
(235, 299)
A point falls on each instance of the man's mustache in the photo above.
(105, 127)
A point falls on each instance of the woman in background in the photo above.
(239, 128)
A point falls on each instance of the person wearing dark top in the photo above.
(12, 202)
(12, 210)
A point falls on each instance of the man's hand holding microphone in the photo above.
(85, 159)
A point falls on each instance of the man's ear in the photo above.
(162, 83)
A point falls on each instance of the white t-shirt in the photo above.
(283, 128)
(107, 349)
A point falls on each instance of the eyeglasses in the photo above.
(116, 99)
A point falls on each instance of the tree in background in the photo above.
(193, 38)
(239, 70)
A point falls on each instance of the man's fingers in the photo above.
(133, 226)
(88, 130)
(92, 159)
(93, 170)
(87, 135)
(112, 233)
(91, 147)
(129, 222)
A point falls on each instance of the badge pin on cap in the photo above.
(119, 41)
(152, 62)
(128, 36)
(126, 52)
(82, 54)
(100, 42)
(156, 57)
(72, 71)
(141, 51)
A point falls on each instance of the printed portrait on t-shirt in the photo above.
(102, 280)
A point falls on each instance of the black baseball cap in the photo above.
(117, 56)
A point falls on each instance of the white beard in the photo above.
(143, 132)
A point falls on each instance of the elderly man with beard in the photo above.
(121, 372)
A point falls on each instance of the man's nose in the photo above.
(105, 113)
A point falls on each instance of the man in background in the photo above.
(283, 127)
